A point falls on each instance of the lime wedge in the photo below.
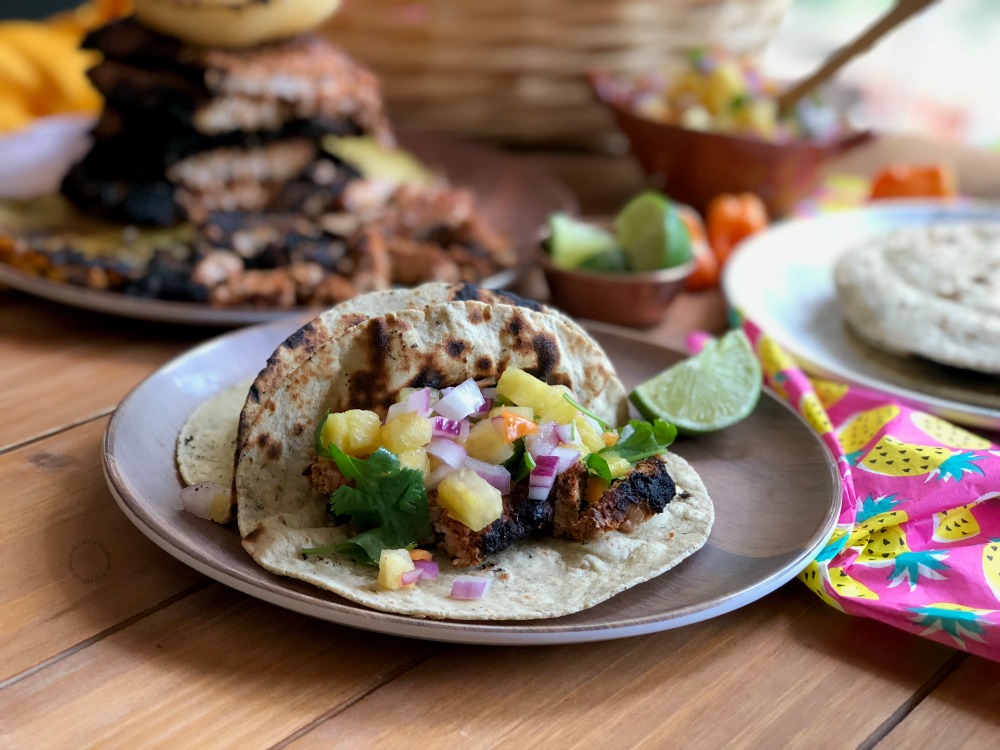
(714, 389)
(606, 260)
(571, 241)
(652, 234)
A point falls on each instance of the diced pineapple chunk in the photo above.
(523, 389)
(558, 409)
(618, 466)
(406, 432)
(486, 443)
(415, 459)
(470, 499)
(355, 432)
(392, 563)
(522, 411)
(589, 435)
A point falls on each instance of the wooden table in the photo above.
(109, 642)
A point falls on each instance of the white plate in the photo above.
(514, 194)
(782, 280)
(775, 488)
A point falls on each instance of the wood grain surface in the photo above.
(109, 642)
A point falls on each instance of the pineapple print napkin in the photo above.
(917, 543)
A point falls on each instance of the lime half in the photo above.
(712, 390)
(572, 242)
(651, 232)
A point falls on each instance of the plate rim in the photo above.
(975, 415)
(284, 592)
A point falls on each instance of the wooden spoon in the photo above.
(893, 18)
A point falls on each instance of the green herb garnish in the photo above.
(646, 439)
(521, 463)
(387, 504)
(604, 425)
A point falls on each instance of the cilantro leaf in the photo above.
(597, 465)
(520, 464)
(604, 425)
(387, 505)
(645, 439)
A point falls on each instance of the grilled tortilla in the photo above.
(366, 365)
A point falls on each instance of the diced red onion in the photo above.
(542, 477)
(567, 433)
(437, 476)
(567, 458)
(411, 576)
(450, 452)
(419, 401)
(483, 410)
(489, 393)
(495, 474)
(543, 442)
(461, 401)
(428, 568)
(470, 587)
(198, 498)
(449, 428)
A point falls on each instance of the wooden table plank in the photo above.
(784, 672)
(61, 366)
(73, 565)
(962, 712)
(217, 669)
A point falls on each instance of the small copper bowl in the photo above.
(694, 166)
(626, 298)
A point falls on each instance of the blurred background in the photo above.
(931, 77)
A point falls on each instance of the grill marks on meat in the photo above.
(624, 505)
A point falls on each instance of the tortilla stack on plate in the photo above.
(932, 291)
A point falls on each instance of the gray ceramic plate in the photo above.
(776, 492)
(515, 195)
(782, 279)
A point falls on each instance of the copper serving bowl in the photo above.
(638, 299)
(693, 166)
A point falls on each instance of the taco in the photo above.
(355, 421)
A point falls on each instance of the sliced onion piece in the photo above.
(419, 401)
(437, 476)
(461, 401)
(428, 569)
(496, 475)
(206, 500)
(567, 433)
(542, 477)
(567, 458)
(543, 442)
(451, 428)
(450, 452)
(470, 587)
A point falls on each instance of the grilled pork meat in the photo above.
(585, 508)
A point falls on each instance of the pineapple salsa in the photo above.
(470, 445)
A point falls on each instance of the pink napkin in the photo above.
(917, 543)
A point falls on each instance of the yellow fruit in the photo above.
(725, 83)
(406, 432)
(558, 409)
(828, 392)
(589, 435)
(857, 433)
(815, 414)
(844, 585)
(415, 459)
(470, 499)
(814, 579)
(487, 443)
(523, 389)
(355, 432)
(955, 524)
(392, 563)
(947, 433)
(991, 566)
(618, 466)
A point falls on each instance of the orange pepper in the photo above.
(914, 181)
(516, 426)
(420, 554)
(731, 218)
(706, 270)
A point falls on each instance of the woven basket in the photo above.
(514, 71)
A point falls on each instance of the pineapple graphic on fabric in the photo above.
(774, 359)
(991, 566)
(948, 434)
(956, 524)
(828, 392)
(957, 620)
(818, 573)
(894, 458)
(862, 428)
(815, 414)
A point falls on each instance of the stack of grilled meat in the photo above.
(232, 143)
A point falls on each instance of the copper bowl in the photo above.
(626, 298)
(694, 166)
